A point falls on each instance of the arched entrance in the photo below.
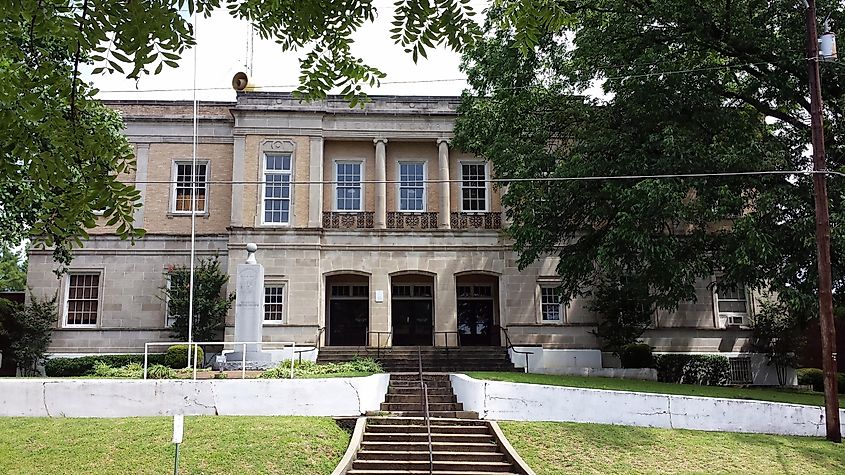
(478, 309)
(412, 309)
(347, 309)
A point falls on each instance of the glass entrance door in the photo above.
(411, 314)
(349, 314)
(477, 316)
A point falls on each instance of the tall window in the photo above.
(277, 174)
(183, 200)
(411, 188)
(348, 188)
(732, 304)
(473, 186)
(550, 304)
(274, 301)
(83, 299)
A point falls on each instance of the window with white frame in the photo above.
(185, 182)
(348, 187)
(274, 303)
(732, 304)
(82, 299)
(277, 190)
(411, 186)
(551, 305)
(473, 186)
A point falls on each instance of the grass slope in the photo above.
(792, 396)
(212, 445)
(561, 447)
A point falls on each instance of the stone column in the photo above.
(249, 306)
(315, 195)
(142, 160)
(380, 218)
(443, 217)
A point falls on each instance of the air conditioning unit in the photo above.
(733, 319)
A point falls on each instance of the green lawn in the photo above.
(212, 445)
(792, 396)
(562, 447)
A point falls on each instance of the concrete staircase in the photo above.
(398, 443)
(440, 360)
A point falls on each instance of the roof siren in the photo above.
(241, 83)
(827, 43)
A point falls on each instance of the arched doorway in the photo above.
(347, 309)
(412, 309)
(478, 309)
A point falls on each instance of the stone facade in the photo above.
(454, 264)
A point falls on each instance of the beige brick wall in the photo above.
(253, 156)
(158, 218)
(412, 152)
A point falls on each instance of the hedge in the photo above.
(84, 365)
(708, 370)
(636, 355)
(177, 356)
(815, 377)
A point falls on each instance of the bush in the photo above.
(84, 365)
(636, 355)
(815, 377)
(158, 371)
(132, 371)
(708, 370)
(32, 332)
(309, 368)
(177, 356)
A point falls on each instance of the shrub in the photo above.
(84, 365)
(709, 370)
(177, 356)
(158, 371)
(815, 377)
(309, 368)
(211, 303)
(636, 355)
(32, 332)
(132, 370)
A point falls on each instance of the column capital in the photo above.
(380, 139)
(446, 140)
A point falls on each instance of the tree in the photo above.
(61, 151)
(689, 88)
(211, 304)
(780, 334)
(12, 271)
(30, 331)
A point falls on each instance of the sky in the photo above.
(221, 51)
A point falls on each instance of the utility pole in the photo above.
(828, 330)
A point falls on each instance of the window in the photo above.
(550, 304)
(348, 188)
(83, 299)
(277, 175)
(411, 189)
(474, 186)
(732, 304)
(274, 303)
(183, 188)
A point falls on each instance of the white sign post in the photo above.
(178, 431)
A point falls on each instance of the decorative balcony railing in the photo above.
(397, 220)
(345, 220)
(476, 220)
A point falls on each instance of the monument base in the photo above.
(257, 360)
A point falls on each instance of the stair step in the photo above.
(432, 414)
(424, 472)
(419, 399)
(414, 428)
(423, 437)
(397, 465)
(416, 420)
(418, 406)
(415, 455)
(437, 446)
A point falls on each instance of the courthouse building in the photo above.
(369, 224)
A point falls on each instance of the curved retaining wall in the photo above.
(253, 397)
(536, 402)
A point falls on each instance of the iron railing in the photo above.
(510, 346)
(446, 334)
(424, 396)
(316, 345)
(378, 335)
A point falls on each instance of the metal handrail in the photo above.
(510, 346)
(424, 396)
(378, 334)
(316, 345)
(447, 333)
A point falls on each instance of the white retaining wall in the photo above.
(252, 397)
(536, 402)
